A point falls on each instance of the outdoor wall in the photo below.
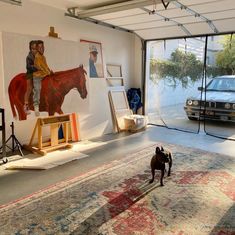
(118, 48)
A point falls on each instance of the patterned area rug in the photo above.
(198, 198)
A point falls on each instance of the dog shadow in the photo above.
(116, 206)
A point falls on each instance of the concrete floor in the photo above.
(17, 184)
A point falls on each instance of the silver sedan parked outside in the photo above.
(217, 101)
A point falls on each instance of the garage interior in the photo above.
(167, 48)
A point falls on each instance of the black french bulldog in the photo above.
(158, 161)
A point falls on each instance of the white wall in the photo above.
(118, 48)
(136, 81)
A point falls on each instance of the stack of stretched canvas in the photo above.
(123, 117)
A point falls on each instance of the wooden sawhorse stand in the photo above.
(55, 143)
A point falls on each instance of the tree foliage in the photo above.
(181, 67)
(184, 67)
(225, 59)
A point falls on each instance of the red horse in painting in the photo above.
(54, 88)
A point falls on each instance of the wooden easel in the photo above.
(54, 122)
(52, 32)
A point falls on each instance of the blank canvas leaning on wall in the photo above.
(119, 100)
(120, 107)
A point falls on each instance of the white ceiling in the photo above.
(181, 18)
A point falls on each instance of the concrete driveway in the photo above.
(174, 116)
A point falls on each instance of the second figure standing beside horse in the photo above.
(39, 70)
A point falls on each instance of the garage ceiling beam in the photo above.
(98, 22)
(115, 7)
(13, 2)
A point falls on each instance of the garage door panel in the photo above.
(225, 25)
(150, 25)
(220, 15)
(134, 19)
(199, 28)
(188, 19)
(161, 32)
(215, 6)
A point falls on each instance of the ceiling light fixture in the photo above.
(13, 2)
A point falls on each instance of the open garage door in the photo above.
(190, 86)
(219, 87)
(174, 72)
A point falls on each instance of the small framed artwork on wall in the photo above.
(96, 65)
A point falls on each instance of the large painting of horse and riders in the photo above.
(43, 76)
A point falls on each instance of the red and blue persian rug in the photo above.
(198, 198)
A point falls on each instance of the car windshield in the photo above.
(221, 84)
